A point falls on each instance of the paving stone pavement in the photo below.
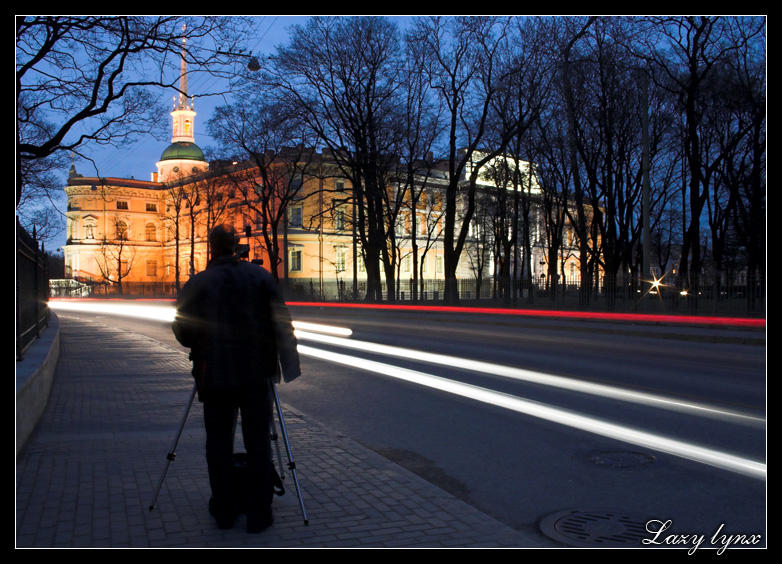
(89, 471)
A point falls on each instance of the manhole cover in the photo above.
(621, 459)
(604, 528)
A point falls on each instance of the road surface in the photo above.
(533, 419)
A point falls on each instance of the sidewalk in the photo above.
(89, 471)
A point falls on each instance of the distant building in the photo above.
(149, 236)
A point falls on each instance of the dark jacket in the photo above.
(233, 320)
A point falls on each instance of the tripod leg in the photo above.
(291, 463)
(275, 437)
(172, 453)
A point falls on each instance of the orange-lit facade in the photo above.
(128, 233)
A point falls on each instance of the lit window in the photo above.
(295, 262)
(339, 264)
(339, 220)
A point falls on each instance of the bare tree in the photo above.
(280, 151)
(174, 212)
(686, 51)
(116, 256)
(340, 76)
(478, 245)
(83, 81)
(468, 73)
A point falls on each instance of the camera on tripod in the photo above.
(243, 249)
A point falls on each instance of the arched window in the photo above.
(151, 231)
(187, 127)
(122, 231)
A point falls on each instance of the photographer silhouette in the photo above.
(239, 333)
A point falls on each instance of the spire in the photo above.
(183, 115)
(183, 156)
(183, 76)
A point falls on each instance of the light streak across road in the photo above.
(521, 374)
(753, 468)
(336, 336)
(142, 310)
(168, 313)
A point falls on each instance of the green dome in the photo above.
(182, 150)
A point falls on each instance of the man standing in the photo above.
(239, 333)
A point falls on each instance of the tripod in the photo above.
(291, 463)
(172, 452)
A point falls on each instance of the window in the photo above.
(341, 259)
(151, 207)
(151, 268)
(151, 232)
(340, 185)
(406, 264)
(89, 231)
(122, 231)
(295, 261)
(438, 261)
(399, 226)
(122, 205)
(339, 220)
(295, 219)
(360, 265)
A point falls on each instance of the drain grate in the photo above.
(604, 528)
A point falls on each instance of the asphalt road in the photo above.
(524, 452)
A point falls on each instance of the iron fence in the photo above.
(538, 293)
(568, 294)
(32, 311)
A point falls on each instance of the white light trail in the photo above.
(144, 311)
(521, 374)
(753, 468)
(166, 313)
(301, 326)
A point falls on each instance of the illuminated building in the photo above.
(149, 236)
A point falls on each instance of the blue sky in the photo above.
(138, 159)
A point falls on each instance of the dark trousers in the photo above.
(219, 421)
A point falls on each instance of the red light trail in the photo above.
(643, 317)
(586, 315)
